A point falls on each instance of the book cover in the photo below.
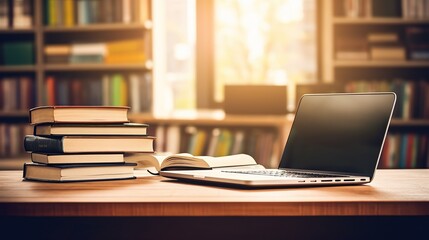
(79, 114)
(78, 172)
(88, 144)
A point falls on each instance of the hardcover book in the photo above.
(78, 114)
(88, 144)
(78, 172)
(90, 129)
(77, 158)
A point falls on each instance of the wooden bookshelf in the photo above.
(43, 32)
(342, 25)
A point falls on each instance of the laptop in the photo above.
(335, 139)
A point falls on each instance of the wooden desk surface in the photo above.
(392, 193)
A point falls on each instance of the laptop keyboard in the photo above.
(285, 173)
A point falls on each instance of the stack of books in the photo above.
(82, 143)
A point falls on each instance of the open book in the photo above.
(186, 161)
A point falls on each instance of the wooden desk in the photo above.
(393, 194)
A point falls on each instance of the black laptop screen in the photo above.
(339, 132)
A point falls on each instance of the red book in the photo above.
(50, 90)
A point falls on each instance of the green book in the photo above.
(18, 53)
(116, 89)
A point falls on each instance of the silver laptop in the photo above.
(335, 139)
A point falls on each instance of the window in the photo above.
(264, 42)
(202, 45)
(174, 55)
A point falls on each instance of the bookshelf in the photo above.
(372, 45)
(43, 24)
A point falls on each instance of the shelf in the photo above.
(213, 118)
(410, 123)
(379, 20)
(99, 27)
(17, 30)
(24, 68)
(380, 63)
(96, 67)
(21, 114)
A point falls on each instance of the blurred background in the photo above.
(214, 77)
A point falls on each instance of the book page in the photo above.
(187, 160)
(229, 161)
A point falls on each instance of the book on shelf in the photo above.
(84, 12)
(78, 172)
(383, 37)
(16, 93)
(388, 52)
(423, 101)
(78, 114)
(11, 135)
(4, 14)
(16, 14)
(351, 49)
(91, 129)
(125, 51)
(417, 39)
(17, 53)
(125, 46)
(88, 144)
(381, 8)
(187, 161)
(22, 16)
(88, 53)
(136, 57)
(415, 9)
(357, 8)
(133, 90)
(44, 158)
(385, 46)
(57, 53)
(405, 150)
(410, 94)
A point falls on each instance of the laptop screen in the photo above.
(339, 132)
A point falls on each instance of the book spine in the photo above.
(42, 144)
(68, 13)
(4, 14)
